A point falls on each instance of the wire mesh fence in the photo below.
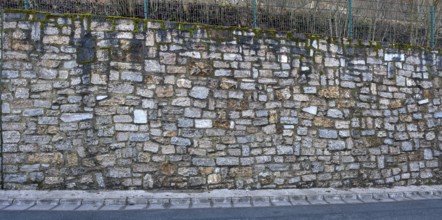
(414, 22)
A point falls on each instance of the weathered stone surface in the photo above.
(148, 181)
(207, 162)
(335, 113)
(11, 136)
(152, 66)
(115, 104)
(184, 83)
(213, 179)
(327, 133)
(284, 150)
(140, 116)
(330, 92)
(227, 161)
(180, 141)
(336, 145)
(164, 91)
(203, 123)
(311, 110)
(407, 146)
(199, 92)
(73, 117)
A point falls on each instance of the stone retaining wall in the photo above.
(114, 103)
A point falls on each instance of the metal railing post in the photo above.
(350, 18)
(432, 26)
(2, 173)
(26, 4)
(254, 13)
(145, 8)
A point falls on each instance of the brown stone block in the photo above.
(144, 167)
(47, 158)
(200, 68)
(164, 91)
(396, 104)
(332, 92)
(323, 122)
(168, 169)
(238, 105)
(228, 84)
(221, 124)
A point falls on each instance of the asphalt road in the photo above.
(421, 210)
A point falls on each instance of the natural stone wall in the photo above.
(130, 104)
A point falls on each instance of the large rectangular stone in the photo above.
(208, 162)
(73, 117)
(329, 134)
(227, 161)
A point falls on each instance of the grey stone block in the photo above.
(413, 196)
(336, 145)
(73, 117)
(201, 203)
(398, 196)
(222, 202)
(136, 204)
(199, 92)
(316, 199)
(333, 199)
(227, 161)
(350, 198)
(329, 134)
(20, 204)
(382, 197)
(284, 150)
(367, 198)
(90, 204)
(159, 204)
(180, 141)
(299, 200)
(203, 162)
(280, 201)
(335, 113)
(45, 204)
(180, 203)
(428, 195)
(68, 204)
(241, 202)
(261, 201)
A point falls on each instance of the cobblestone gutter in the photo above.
(116, 103)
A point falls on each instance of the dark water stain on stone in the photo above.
(86, 51)
(86, 56)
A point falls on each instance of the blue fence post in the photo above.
(350, 18)
(432, 26)
(254, 13)
(145, 8)
(26, 4)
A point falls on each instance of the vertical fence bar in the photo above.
(432, 26)
(26, 4)
(145, 8)
(2, 174)
(254, 13)
(350, 18)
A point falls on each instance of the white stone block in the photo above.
(140, 116)
(311, 110)
(203, 123)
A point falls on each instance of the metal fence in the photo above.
(414, 22)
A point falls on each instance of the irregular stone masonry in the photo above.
(114, 103)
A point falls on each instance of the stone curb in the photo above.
(140, 200)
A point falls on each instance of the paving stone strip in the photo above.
(141, 200)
